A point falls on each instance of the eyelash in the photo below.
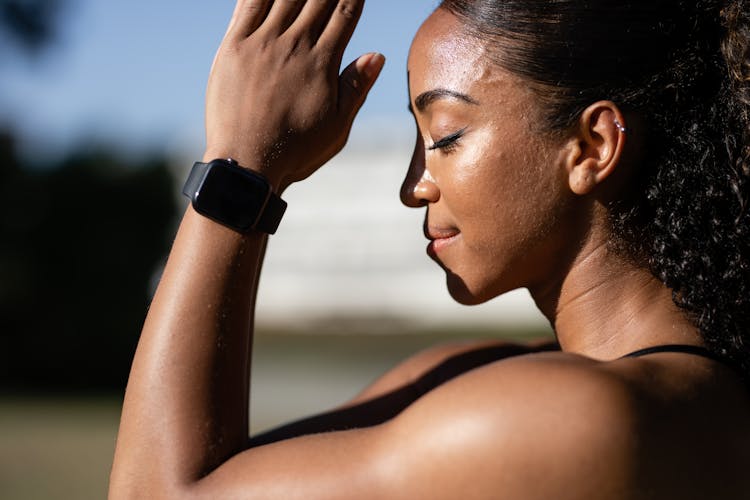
(448, 143)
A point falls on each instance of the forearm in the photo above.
(186, 404)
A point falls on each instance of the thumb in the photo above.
(356, 81)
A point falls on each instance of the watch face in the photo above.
(231, 195)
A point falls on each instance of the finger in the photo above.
(341, 25)
(356, 81)
(314, 17)
(247, 17)
(282, 15)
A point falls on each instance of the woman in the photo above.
(596, 153)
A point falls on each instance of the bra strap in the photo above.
(682, 348)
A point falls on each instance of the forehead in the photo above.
(443, 56)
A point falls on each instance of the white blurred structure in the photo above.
(348, 251)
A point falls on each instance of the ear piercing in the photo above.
(620, 126)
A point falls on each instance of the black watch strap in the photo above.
(194, 180)
(270, 215)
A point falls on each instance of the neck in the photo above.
(606, 306)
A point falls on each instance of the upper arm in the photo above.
(512, 431)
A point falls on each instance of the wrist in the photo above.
(248, 161)
(234, 196)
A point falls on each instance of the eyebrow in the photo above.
(424, 99)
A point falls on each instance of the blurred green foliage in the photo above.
(80, 241)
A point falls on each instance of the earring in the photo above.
(620, 126)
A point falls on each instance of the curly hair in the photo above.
(682, 66)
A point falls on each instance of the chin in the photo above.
(462, 293)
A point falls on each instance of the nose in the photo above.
(418, 188)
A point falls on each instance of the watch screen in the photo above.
(232, 196)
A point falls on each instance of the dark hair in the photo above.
(682, 67)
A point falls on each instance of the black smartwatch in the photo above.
(234, 197)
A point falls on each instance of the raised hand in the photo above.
(275, 101)
(277, 104)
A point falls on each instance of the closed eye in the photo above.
(447, 143)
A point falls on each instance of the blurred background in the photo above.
(101, 116)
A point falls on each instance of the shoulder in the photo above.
(445, 361)
(527, 426)
(518, 384)
(540, 426)
(556, 425)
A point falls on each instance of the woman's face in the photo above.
(495, 192)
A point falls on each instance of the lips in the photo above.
(440, 237)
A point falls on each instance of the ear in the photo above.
(595, 147)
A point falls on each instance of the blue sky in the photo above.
(133, 73)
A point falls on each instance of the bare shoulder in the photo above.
(553, 425)
(519, 387)
(447, 360)
(539, 426)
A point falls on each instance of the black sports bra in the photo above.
(687, 349)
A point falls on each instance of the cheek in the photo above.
(502, 183)
(514, 206)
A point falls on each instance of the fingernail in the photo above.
(374, 65)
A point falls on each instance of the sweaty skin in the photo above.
(506, 207)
